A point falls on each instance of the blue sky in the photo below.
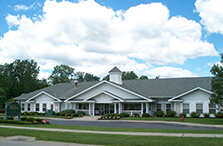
(169, 38)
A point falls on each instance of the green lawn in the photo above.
(120, 129)
(109, 139)
(212, 121)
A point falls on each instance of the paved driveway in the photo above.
(123, 124)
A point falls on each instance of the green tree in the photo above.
(106, 78)
(129, 75)
(143, 77)
(86, 77)
(90, 77)
(61, 74)
(23, 76)
(217, 84)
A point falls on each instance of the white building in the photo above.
(129, 96)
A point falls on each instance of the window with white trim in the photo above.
(186, 108)
(199, 108)
(44, 107)
(28, 107)
(168, 107)
(158, 107)
(23, 106)
(37, 107)
(212, 109)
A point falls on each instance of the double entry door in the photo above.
(103, 109)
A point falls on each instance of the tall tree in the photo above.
(61, 74)
(90, 77)
(217, 84)
(86, 77)
(129, 75)
(23, 76)
(106, 78)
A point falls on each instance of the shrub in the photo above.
(14, 122)
(68, 111)
(194, 115)
(2, 110)
(183, 114)
(124, 115)
(171, 114)
(206, 115)
(10, 118)
(218, 115)
(159, 113)
(135, 115)
(23, 118)
(77, 115)
(29, 119)
(145, 115)
(81, 112)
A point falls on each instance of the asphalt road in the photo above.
(126, 124)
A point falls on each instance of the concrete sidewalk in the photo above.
(119, 133)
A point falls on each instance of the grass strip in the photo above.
(109, 139)
(92, 128)
(211, 121)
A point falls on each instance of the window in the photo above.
(212, 109)
(83, 106)
(28, 107)
(130, 106)
(168, 107)
(199, 108)
(186, 108)
(23, 107)
(37, 107)
(158, 107)
(44, 107)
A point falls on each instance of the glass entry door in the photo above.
(103, 109)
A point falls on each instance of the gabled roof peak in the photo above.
(115, 69)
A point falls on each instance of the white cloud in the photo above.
(94, 38)
(211, 14)
(167, 71)
(22, 7)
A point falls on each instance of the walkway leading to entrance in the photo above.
(119, 133)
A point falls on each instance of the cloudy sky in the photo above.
(169, 38)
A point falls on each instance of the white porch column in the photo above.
(75, 106)
(115, 108)
(89, 109)
(147, 107)
(141, 108)
(93, 104)
(65, 106)
(181, 107)
(119, 108)
(58, 106)
(34, 107)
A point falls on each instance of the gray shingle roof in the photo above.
(167, 87)
(147, 88)
(115, 69)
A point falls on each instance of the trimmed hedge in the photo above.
(194, 115)
(159, 113)
(206, 115)
(145, 115)
(171, 114)
(14, 122)
(218, 115)
(183, 114)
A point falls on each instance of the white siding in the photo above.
(195, 97)
(106, 87)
